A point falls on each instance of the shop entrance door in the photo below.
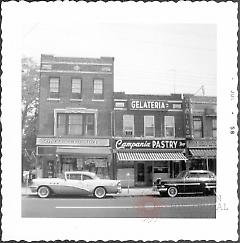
(140, 174)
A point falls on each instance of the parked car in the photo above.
(75, 183)
(187, 182)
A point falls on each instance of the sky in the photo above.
(149, 57)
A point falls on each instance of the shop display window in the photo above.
(99, 166)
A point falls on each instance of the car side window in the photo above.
(204, 175)
(192, 175)
(75, 177)
(86, 177)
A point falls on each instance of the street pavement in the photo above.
(138, 205)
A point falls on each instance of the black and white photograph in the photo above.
(126, 113)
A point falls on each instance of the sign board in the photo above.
(187, 118)
(95, 142)
(149, 144)
(202, 143)
(135, 104)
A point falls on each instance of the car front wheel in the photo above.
(100, 192)
(172, 191)
(43, 192)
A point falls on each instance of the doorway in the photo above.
(143, 173)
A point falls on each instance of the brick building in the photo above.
(149, 137)
(74, 130)
(201, 131)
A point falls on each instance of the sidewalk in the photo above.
(132, 192)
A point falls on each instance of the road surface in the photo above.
(119, 207)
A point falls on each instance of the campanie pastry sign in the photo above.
(149, 144)
(148, 104)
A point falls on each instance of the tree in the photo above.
(30, 104)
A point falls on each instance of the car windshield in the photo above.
(180, 175)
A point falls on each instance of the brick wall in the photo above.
(46, 111)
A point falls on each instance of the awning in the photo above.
(203, 152)
(148, 156)
(84, 150)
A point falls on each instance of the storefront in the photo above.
(57, 155)
(140, 161)
(202, 154)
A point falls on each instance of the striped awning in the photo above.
(149, 156)
(203, 153)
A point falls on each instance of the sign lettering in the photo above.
(150, 144)
(148, 105)
(72, 141)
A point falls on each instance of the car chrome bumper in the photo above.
(159, 189)
(33, 188)
(162, 189)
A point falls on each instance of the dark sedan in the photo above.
(187, 182)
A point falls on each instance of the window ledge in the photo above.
(75, 99)
(97, 100)
(53, 99)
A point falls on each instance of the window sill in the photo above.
(97, 100)
(53, 99)
(75, 100)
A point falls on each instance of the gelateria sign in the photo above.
(148, 105)
(149, 144)
(72, 141)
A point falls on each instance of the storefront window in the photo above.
(149, 126)
(169, 125)
(128, 125)
(197, 127)
(99, 166)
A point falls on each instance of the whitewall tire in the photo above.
(99, 192)
(172, 191)
(43, 192)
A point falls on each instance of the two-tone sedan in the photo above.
(187, 182)
(75, 183)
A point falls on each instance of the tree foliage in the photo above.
(30, 104)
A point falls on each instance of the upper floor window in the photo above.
(128, 125)
(75, 124)
(214, 127)
(98, 89)
(149, 126)
(89, 128)
(54, 87)
(169, 126)
(197, 127)
(76, 88)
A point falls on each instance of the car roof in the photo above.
(200, 171)
(81, 172)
